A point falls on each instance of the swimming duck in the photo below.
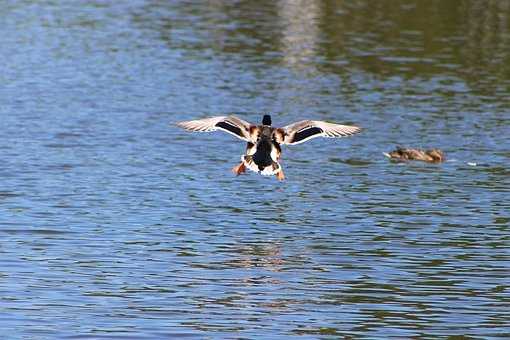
(403, 154)
(263, 149)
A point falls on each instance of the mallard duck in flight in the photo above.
(263, 149)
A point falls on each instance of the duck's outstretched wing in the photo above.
(307, 129)
(230, 124)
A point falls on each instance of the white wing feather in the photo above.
(230, 124)
(305, 130)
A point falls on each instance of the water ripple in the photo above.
(116, 224)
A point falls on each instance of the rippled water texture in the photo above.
(116, 224)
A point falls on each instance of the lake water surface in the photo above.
(114, 224)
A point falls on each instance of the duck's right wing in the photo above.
(307, 129)
(230, 124)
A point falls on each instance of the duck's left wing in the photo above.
(307, 129)
(230, 124)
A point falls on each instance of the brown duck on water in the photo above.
(404, 155)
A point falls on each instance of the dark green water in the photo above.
(114, 224)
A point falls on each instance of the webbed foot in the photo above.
(239, 169)
(280, 176)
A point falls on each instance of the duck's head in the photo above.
(437, 155)
(266, 120)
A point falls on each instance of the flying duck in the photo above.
(403, 154)
(263, 149)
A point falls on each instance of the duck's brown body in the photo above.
(264, 155)
(405, 154)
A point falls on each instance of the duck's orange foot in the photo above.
(280, 175)
(239, 169)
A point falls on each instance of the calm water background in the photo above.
(115, 224)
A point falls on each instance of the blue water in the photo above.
(115, 224)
